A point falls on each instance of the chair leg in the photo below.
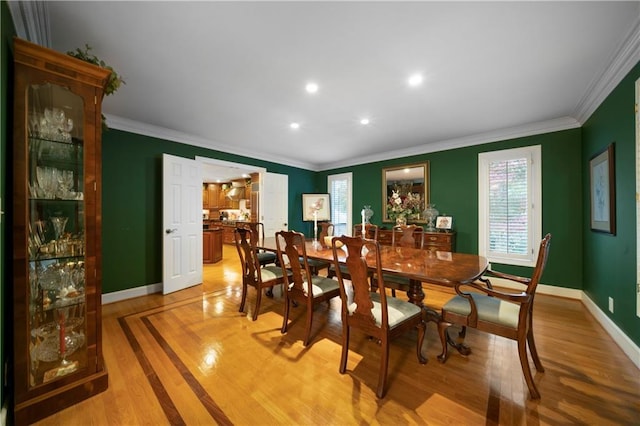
(258, 300)
(534, 351)
(393, 292)
(443, 328)
(526, 369)
(345, 348)
(243, 298)
(309, 322)
(384, 366)
(285, 320)
(463, 332)
(421, 332)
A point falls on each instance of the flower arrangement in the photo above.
(404, 206)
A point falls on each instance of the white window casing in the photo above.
(510, 205)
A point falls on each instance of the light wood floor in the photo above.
(191, 358)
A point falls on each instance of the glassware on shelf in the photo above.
(59, 223)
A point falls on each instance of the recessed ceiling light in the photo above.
(364, 121)
(294, 125)
(415, 80)
(311, 87)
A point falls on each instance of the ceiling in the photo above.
(231, 75)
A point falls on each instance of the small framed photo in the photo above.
(316, 206)
(603, 191)
(444, 222)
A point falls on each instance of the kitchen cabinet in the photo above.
(210, 195)
(214, 196)
(212, 245)
(205, 196)
(56, 225)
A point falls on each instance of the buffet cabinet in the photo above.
(56, 220)
(434, 241)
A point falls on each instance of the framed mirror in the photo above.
(405, 193)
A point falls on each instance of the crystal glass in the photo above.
(59, 223)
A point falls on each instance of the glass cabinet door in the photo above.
(56, 234)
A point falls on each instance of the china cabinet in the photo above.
(56, 220)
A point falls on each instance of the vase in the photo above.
(401, 220)
(430, 214)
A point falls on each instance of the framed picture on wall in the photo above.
(318, 203)
(603, 191)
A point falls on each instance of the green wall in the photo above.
(610, 260)
(132, 203)
(454, 190)
(6, 119)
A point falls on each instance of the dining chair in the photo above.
(506, 314)
(370, 231)
(326, 230)
(257, 233)
(316, 265)
(253, 274)
(375, 314)
(402, 236)
(302, 287)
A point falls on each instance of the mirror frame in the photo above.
(388, 180)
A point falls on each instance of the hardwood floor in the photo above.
(191, 358)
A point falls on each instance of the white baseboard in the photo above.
(626, 344)
(130, 293)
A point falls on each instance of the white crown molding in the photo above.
(31, 21)
(531, 129)
(124, 124)
(622, 61)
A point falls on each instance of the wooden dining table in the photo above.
(434, 267)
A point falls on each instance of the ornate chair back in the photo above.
(253, 273)
(370, 231)
(301, 285)
(407, 236)
(372, 313)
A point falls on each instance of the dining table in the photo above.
(419, 265)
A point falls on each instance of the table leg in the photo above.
(415, 293)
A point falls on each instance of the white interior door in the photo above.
(274, 202)
(181, 223)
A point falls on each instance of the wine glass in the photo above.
(59, 223)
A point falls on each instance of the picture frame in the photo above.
(602, 188)
(316, 202)
(444, 222)
(406, 179)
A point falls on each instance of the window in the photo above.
(510, 205)
(340, 192)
